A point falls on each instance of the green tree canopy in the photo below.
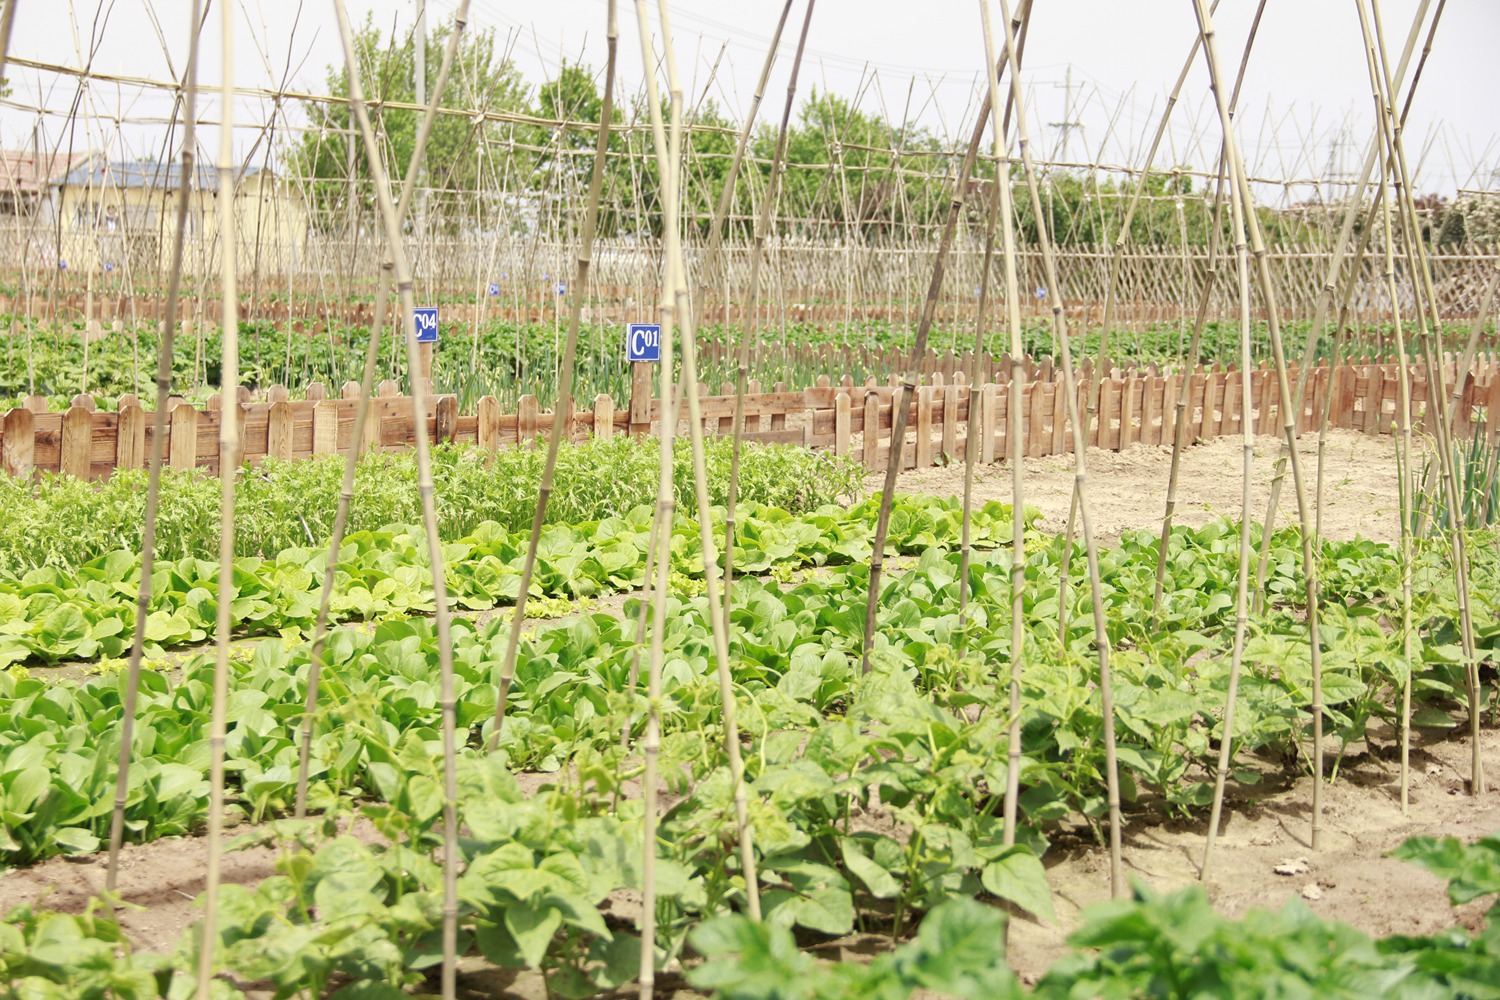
(480, 80)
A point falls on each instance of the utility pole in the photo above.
(1067, 124)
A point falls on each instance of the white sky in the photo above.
(1305, 110)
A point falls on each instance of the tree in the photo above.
(480, 80)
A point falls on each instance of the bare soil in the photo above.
(1128, 489)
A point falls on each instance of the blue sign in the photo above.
(643, 342)
(427, 324)
(108, 266)
(494, 288)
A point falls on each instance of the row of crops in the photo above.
(509, 359)
(828, 748)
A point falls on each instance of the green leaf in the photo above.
(532, 927)
(75, 840)
(881, 883)
(1018, 877)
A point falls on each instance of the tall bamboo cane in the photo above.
(1000, 202)
(1426, 295)
(229, 454)
(662, 528)
(1080, 464)
(158, 439)
(1404, 457)
(562, 410)
(976, 359)
(719, 626)
(429, 515)
(1258, 253)
(752, 302)
(361, 415)
(1320, 313)
(1242, 577)
(665, 505)
(1006, 216)
(1351, 279)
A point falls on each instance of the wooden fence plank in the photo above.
(279, 431)
(77, 442)
(488, 432)
(130, 438)
(325, 436)
(182, 445)
(924, 426)
(18, 445)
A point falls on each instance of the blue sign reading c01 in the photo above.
(643, 342)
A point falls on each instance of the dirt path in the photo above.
(1128, 489)
(1349, 879)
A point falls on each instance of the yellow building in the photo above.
(120, 215)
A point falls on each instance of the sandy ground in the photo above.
(1128, 489)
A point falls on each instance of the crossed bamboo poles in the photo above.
(1394, 203)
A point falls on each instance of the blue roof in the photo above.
(154, 174)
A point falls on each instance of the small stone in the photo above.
(1292, 866)
(1312, 891)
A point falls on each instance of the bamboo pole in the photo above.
(1403, 463)
(665, 505)
(229, 450)
(158, 440)
(563, 408)
(1005, 212)
(999, 203)
(361, 416)
(1242, 577)
(752, 301)
(429, 515)
(1437, 392)
(1309, 559)
(976, 359)
(1080, 464)
(1320, 310)
(718, 624)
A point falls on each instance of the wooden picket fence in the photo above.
(1134, 406)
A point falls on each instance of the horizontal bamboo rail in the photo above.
(1135, 406)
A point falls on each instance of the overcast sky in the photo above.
(1305, 109)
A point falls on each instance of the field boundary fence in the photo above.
(1137, 405)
